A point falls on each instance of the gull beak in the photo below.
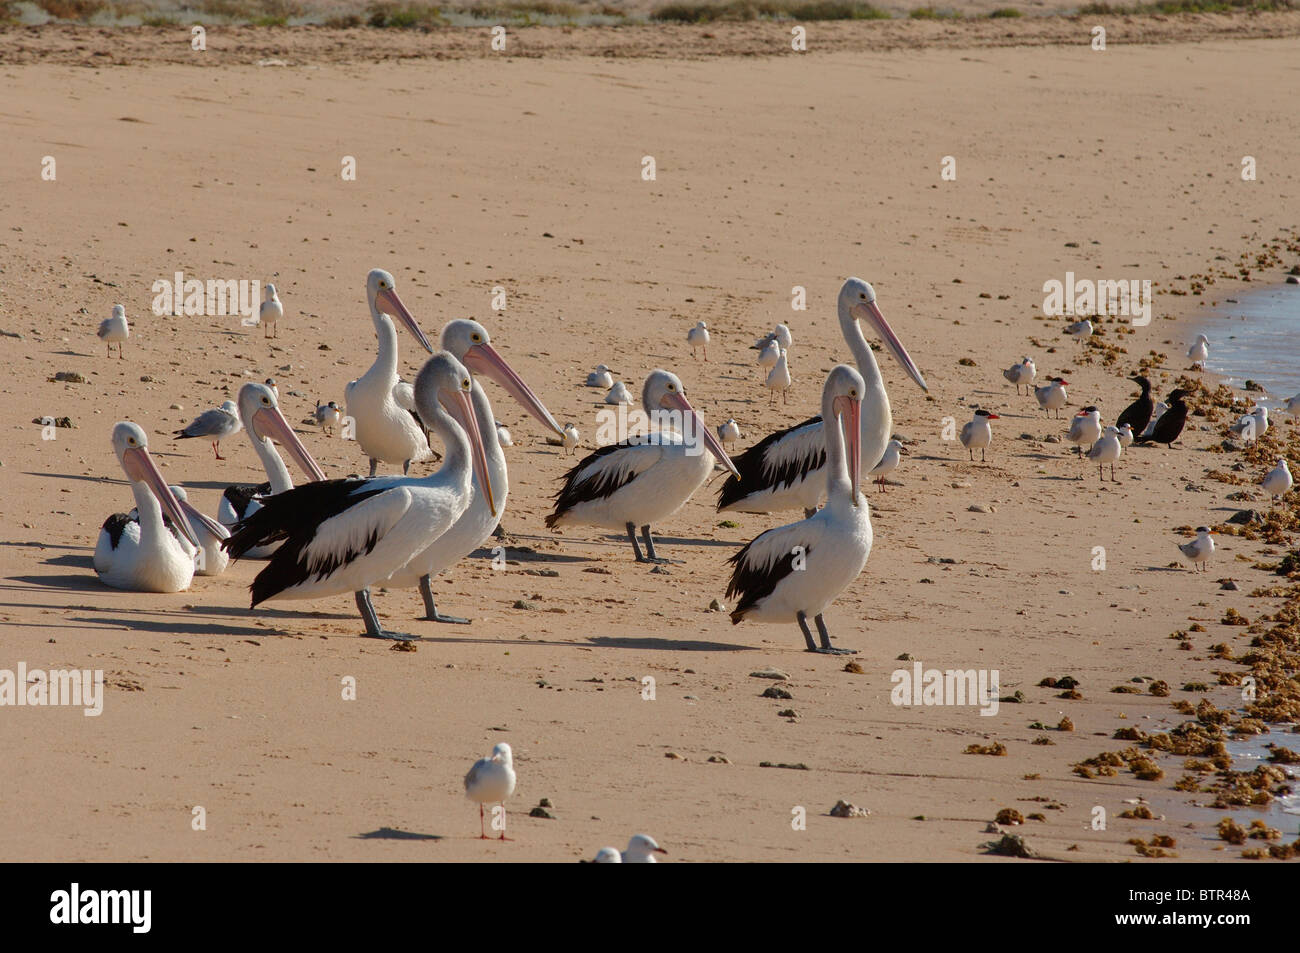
(269, 423)
(389, 303)
(139, 466)
(678, 401)
(484, 359)
(870, 312)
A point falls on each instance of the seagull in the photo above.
(503, 435)
(1022, 373)
(618, 394)
(978, 433)
(768, 356)
(1052, 396)
(888, 463)
(1199, 352)
(1138, 413)
(1293, 405)
(1085, 430)
(1107, 449)
(608, 855)
(490, 781)
(1080, 329)
(328, 416)
(601, 377)
(1159, 412)
(216, 424)
(641, 849)
(778, 379)
(1277, 481)
(729, 432)
(1253, 425)
(780, 334)
(571, 437)
(1126, 435)
(1199, 550)
(1170, 425)
(114, 330)
(698, 336)
(270, 312)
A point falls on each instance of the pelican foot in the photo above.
(451, 619)
(832, 651)
(390, 636)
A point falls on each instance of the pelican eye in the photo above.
(266, 400)
(465, 385)
(853, 392)
(478, 338)
(862, 295)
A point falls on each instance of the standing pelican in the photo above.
(1022, 373)
(469, 343)
(216, 424)
(643, 479)
(386, 426)
(698, 336)
(778, 378)
(339, 536)
(154, 552)
(977, 434)
(114, 330)
(784, 469)
(795, 571)
(270, 312)
(888, 463)
(1199, 352)
(490, 781)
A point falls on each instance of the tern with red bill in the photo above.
(1052, 396)
(387, 426)
(340, 536)
(469, 343)
(793, 572)
(155, 551)
(1085, 429)
(786, 470)
(978, 433)
(647, 477)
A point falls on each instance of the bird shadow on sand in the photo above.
(76, 562)
(526, 554)
(392, 833)
(173, 627)
(77, 583)
(673, 645)
(265, 612)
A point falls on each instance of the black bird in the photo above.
(1138, 414)
(1171, 422)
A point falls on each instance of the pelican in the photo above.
(778, 379)
(780, 334)
(768, 356)
(1253, 425)
(339, 536)
(1080, 330)
(211, 559)
(387, 427)
(155, 551)
(270, 312)
(1126, 435)
(328, 416)
(795, 571)
(1199, 550)
(490, 781)
(641, 849)
(643, 479)
(468, 342)
(260, 412)
(1156, 414)
(888, 463)
(1107, 449)
(729, 432)
(1199, 352)
(1052, 396)
(216, 424)
(784, 469)
(977, 434)
(1022, 373)
(1277, 481)
(571, 437)
(601, 377)
(114, 330)
(698, 336)
(618, 394)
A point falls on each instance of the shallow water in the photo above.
(1255, 336)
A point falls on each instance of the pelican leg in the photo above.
(827, 648)
(650, 546)
(802, 618)
(406, 468)
(374, 465)
(431, 613)
(373, 629)
(636, 548)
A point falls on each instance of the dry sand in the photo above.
(772, 172)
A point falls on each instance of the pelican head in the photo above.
(858, 303)
(132, 449)
(382, 293)
(444, 384)
(469, 343)
(259, 409)
(663, 390)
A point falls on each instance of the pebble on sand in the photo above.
(845, 809)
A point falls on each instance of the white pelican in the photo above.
(469, 343)
(795, 571)
(888, 463)
(618, 394)
(1080, 329)
(608, 855)
(768, 356)
(646, 478)
(155, 551)
(260, 412)
(338, 536)
(601, 377)
(778, 378)
(977, 434)
(216, 424)
(270, 312)
(571, 437)
(698, 336)
(1052, 396)
(490, 781)
(211, 559)
(729, 432)
(1126, 435)
(1107, 449)
(1199, 352)
(328, 417)
(1022, 373)
(1253, 425)
(641, 849)
(780, 334)
(387, 427)
(1199, 550)
(114, 330)
(1156, 414)
(784, 469)
(1277, 481)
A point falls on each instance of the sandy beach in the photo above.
(524, 172)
